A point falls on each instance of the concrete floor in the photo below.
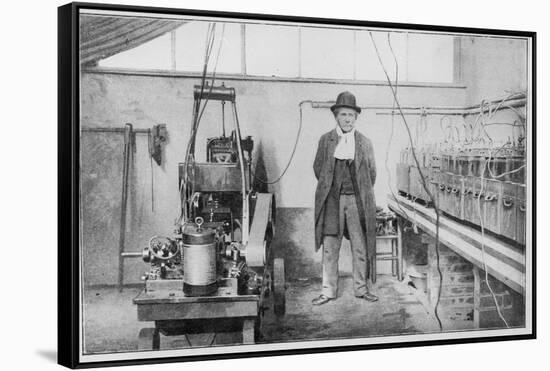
(396, 312)
(111, 321)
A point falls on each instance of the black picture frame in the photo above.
(69, 167)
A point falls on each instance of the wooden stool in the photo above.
(396, 254)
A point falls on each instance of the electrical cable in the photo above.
(422, 177)
(473, 127)
(481, 119)
(493, 176)
(483, 122)
(213, 73)
(448, 130)
(475, 135)
(482, 216)
(390, 139)
(208, 50)
(507, 98)
(184, 192)
(486, 105)
(482, 225)
(190, 144)
(518, 113)
(507, 172)
(189, 153)
(444, 130)
(265, 181)
(421, 126)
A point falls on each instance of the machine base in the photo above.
(203, 290)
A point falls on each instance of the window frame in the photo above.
(244, 75)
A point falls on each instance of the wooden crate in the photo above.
(491, 205)
(456, 196)
(520, 214)
(472, 187)
(509, 210)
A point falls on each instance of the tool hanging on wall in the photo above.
(128, 141)
(157, 136)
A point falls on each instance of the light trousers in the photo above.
(349, 216)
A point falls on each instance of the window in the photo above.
(272, 50)
(327, 53)
(430, 58)
(154, 55)
(190, 47)
(297, 52)
(368, 66)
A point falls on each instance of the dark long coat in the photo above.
(365, 173)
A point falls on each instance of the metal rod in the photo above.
(442, 110)
(133, 254)
(124, 201)
(223, 117)
(456, 111)
(85, 129)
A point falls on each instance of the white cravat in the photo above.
(345, 150)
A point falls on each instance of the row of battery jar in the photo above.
(498, 206)
(506, 165)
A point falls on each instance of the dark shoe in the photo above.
(369, 297)
(322, 299)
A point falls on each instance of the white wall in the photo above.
(268, 111)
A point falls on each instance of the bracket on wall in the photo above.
(157, 136)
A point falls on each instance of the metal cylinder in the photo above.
(199, 261)
(214, 93)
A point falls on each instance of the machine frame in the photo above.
(210, 319)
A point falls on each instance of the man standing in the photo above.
(344, 200)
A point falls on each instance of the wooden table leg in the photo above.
(156, 339)
(248, 331)
(399, 250)
(393, 243)
(477, 295)
(202, 339)
(145, 338)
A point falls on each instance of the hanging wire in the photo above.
(481, 120)
(482, 225)
(422, 177)
(265, 181)
(390, 139)
(494, 176)
(213, 72)
(186, 192)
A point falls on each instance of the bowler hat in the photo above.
(345, 99)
